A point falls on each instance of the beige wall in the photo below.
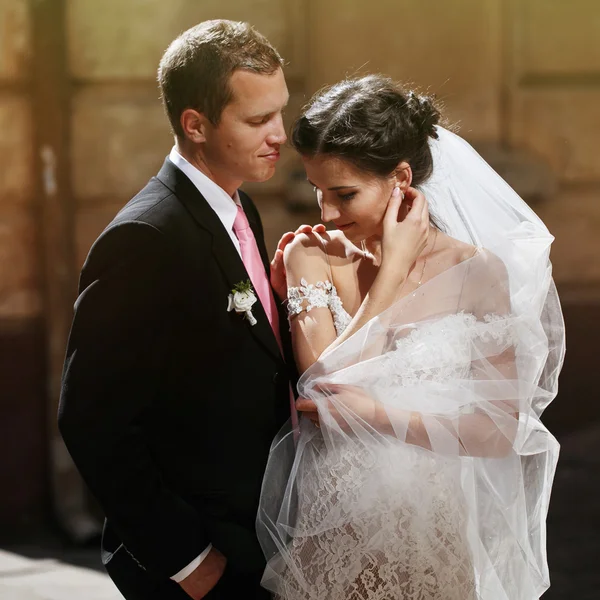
(452, 49)
(553, 77)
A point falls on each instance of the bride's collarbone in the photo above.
(353, 276)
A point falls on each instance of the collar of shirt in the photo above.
(218, 199)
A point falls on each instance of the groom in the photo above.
(173, 391)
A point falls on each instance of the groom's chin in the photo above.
(262, 176)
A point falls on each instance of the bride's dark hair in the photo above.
(372, 122)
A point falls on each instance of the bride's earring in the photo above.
(397, 185)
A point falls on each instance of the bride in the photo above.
(429, 347)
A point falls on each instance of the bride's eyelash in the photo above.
(348, 196)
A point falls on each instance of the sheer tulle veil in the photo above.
(449, 499)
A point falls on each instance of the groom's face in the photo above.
(245, 144)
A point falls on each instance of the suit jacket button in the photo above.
(275, 377)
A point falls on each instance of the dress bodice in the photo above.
(433, 350)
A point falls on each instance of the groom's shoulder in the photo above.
(148, 224)
(155, 205)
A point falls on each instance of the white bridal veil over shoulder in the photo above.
(445, 496)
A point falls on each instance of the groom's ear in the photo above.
(193, 124)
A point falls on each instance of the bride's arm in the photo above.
(312, 330)
(488, 431)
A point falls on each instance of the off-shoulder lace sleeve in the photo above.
(319, 295)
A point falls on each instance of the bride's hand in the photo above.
(403, 241)
(346, 404)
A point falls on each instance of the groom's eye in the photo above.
(262, 121)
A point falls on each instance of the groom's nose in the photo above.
(277, 134)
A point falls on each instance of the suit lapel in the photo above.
(223, 249)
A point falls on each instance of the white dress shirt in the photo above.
(219, 200)
(226, 208)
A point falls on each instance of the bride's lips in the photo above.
(344, 227)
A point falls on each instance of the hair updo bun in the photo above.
(371, 122)
(424, 114)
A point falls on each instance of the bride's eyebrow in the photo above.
(337, 187)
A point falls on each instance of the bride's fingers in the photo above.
(420, 206)
(286, 238)
(304, 229)
(416, 200)
(390, 218)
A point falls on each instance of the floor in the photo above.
(573, 525)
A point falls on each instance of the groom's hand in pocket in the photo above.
(278, 278)
(204, 578)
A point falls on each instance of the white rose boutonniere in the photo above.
(241, 299)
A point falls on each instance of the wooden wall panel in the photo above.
(450, 48)
(125, 40)
(558, 37)
(15, 40)
(119, 139)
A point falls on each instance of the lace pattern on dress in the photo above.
(319, 295)
(388, 536)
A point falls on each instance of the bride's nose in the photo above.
(329, 212)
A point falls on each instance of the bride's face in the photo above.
(353, 200)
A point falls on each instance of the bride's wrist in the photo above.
(392, 276)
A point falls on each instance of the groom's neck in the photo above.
(196, 156)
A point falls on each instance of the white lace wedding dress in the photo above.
(399, 542)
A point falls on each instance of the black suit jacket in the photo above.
(169, 403)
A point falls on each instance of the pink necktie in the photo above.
(256, 269)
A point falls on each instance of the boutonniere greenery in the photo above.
(241, 299)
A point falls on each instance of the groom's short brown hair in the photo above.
(195, 70)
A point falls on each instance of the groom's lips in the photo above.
(274, 156)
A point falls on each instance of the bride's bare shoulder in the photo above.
(327, 245)
(488, 265)
(455, 250)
